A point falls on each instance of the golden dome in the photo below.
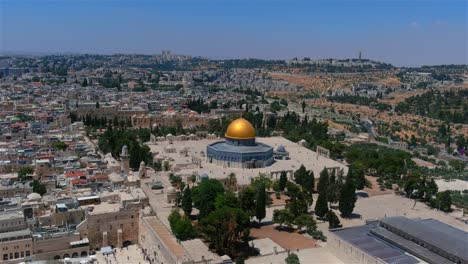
(240, 129)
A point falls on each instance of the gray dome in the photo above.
(280, 148)
(34, 197)
(171, 190)
(204, 176)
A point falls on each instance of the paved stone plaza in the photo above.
(129, 255)
(309, 255)
(182, 153)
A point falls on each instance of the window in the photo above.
(132, 216)
(5, 256)
(16, 255)
(28, 253)
(22, 254)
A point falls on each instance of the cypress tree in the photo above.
(322, 185)
(187, 201)
(260, 209)
(356, 172)
(347, 198)
(309, 182)
(300, 175)
(283, 181)
(333, 221)
(321, 207)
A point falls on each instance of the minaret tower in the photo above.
(124, 160)
(142, 171)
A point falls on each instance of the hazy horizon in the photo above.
(403, 33)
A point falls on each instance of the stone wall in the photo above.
(347, 252)
(154, 246)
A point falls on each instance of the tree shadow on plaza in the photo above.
(353, 216)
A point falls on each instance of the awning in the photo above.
(106, 250)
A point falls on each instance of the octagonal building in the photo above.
(239, 149)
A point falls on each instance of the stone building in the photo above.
(171, 119)
(53, 245)
(15, 246)
(16, 189)
(111, 224)
(12, 221)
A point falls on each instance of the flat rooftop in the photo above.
(198, 251)
(11, 215)
(20, 234)
(409, 246)
(103, 208)
(266, 246)
(432, 232)
(361, 238)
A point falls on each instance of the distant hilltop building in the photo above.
(336, 62)
(167, 56)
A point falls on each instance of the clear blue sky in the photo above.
(402, 32)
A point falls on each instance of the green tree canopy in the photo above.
(292, 259)
(282, 181)
(333, 220)
(304, 178)
(205, 194)
(60, 145)
(224, 227)
(431, 190)
(347, 198)
(307, 221)
(444, 201)
(321, 207)
(283, 217)
(38, 187)
(247, 201)
(324, 179)
(181, 226)
(261, 201)
(356, 172)
(187, 201)
(25, 173)
(227, 199)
